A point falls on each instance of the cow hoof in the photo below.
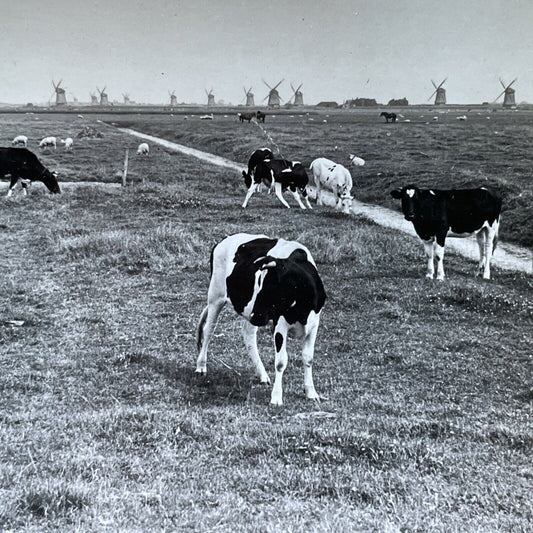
(201, 371)
(429, 276)
(276, 402)
(440, 278)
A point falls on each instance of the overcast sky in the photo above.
(338, 49)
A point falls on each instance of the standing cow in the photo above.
(20, 163)
(257, 156)
(282, 175)
(267, 281)
(335, 178)
(437, 214)
(246, 116)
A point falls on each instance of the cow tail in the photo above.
(200, 328)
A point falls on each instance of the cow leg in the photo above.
(25, 185)
(206, 326)
(481, 237)
(297, 198)
(251, 190)
(318, 195)
(429, 247)
(308, 352)
(306, 197)
(439, 255)
(279, 193)
(492, 236)
(12, 185)
(280, 343)
(249, 334)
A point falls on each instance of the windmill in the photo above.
(440, 92)
(126, 97)
(103, 96)
(61, 98)
(210, 97)
(173, 99)
(74, 99)
(273, 95)
(94, 99)
(508, 99)
(249, 97)
(298, 95)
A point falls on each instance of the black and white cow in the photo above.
(259, 155)
(282, 175)
(261, 116)
(268, 281)
(246, 116)
(391, 116)
(437, 214)
(20, 163)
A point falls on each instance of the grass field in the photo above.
(425, 417)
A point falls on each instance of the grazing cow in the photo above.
(20, 163)
(246, 116)
(267, 281)
(391, 116)
(260, 116)
(280, 174)
(143, 149)
(48, 142)
(335, 178)
(437, 214)
(68, 142)
(259, 155)
(20, 140)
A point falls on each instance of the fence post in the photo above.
(125, 171)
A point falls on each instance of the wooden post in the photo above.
(125, 171)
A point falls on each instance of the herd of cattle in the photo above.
(271, 280)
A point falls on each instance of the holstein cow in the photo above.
(259, 155)
(20, 163)
(143, 149)
(437, 214)
(335, 178)
(261, 116)
(280, 174)
(48, 142)
(267, 281)
(246, 116)
(20, 140)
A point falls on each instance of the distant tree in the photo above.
(361, 102)
(398, 102)
(327, 104)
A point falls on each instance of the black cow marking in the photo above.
(278, 338)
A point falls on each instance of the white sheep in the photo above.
(356, 161)
(68, 142)
(48, 142)
(143, 149)
(20, 140)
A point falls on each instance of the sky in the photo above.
(338, 49)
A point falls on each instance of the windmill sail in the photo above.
(440, 98)
(274, 99)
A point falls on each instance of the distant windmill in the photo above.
(298, 95)
(61, 98)
(249, 97)
(103, 96)
(173, 99)
(126, 97)
(94, 99)
(508, 99)
(210, 97)
(273, 95)
(74, 99)
(440, 92)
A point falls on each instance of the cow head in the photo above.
(345, 201)
(50, 180)
(410, 197)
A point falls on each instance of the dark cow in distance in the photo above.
(437, 214)
(257, 156)
(246, 116)
(391, 116)
(282, 175)
(268, 281)
(23, 165)
(261, 116)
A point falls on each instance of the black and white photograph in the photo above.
(266, 267)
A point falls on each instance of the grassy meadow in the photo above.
(425, 418)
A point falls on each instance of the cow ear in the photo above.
(396, 193)
(244, 173)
